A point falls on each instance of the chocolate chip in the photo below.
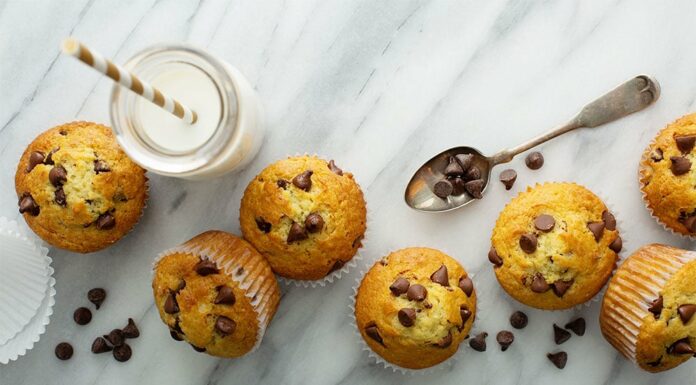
(686, 312)
(508, 177)
(443, 188)
(680, 165)
(505, 338)
(534, 160)
(100, 346)
(609, 220)
(82, 316)
(337, 265)
(656, 307)
(440, 276)
(101, 166)
(465, 313)
(303, 181)
(494, 258)
(453, 168)
(544, 223)
(64, 351)
(96, 296)
(282, 183)
(560, 335)
(314, 223)
(106, 221)
(690, 223)
(122, 353)
(182, 286)
(334, 168)
(57, 176)
(373, 332)
(36, 158)
(176, 336)
(528, 243)
(427, 304)
(170, 305)
(681, 347)
(465, 160)
(49, 156)
(131, 330)
(296, 233)
(467, 285)
(416, 293)
(262, 225)
(597, 229)
(407, 316)
(115, 337)
(206, 267)
(685, 143)
(196, 348)
(478, 343)
(473, 173)
(657, 155)
(27, 204)
(225, 326)
(59, 197)
(561, 287)
(539, 284)
(458, 187)
(475, 188)
(518, 320)
(559, 359)
(445, 342)
(400, 286)
(225, 296)
(577, 326)
(616, 245)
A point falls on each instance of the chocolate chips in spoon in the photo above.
(461, 175)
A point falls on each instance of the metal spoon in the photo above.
(631, 96)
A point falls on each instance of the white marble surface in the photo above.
(380, 86)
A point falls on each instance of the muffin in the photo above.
(554, 246)
(217, 293)
(77, 189)
(667, 177)
(415, 306)
(306, 216)
(648, 312)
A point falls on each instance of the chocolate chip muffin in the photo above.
(217, 293)
(415, 306)
(305, 215)
(667, 176)
(554, 246)
(649, 310)
(77, 189)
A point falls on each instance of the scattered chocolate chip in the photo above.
(82, 316)
(337, 265)
(407, 316)
(458, 187)
(561, 287)
(122, 353)
(445, 342)
(373, 332)
(314, 223)
(225, 326)
(616, 245)
(657, 155)
(534, 160)
(176, 336)
(518, 320)
(473, 173)
(282, 183)
(101, 166)
(544, 223)
(225, 296)
(467, 285)
(494, 258)
(115, 337)
(64, 351)
(59, 197)
(559, 359)
(443, 188)
(597, 229)
(680, 165)
(106, 221)
(656, 307)
(36, 158)
(508, 177)
(505, 338)
(334, 168)
(539, 284)
(478, 343)
(685, 143)
(416, 293)
(296, 233)
(262, 225)
(528, 243)
(440, 276)
(27, 204)
(475, 188)
(170, 305)
(453, 168)
(206, 267)
(96, 296)
(577, 326)
(560, 335)
(681, 347)
(465, 313)
(196, 348)
(465, 160)
(686, 312)
(609, 220)
(49, 156)
(100, 346)
(400, 286)
(57, 176)
(303, 181)
(131, 330)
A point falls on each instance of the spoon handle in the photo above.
(629, 97)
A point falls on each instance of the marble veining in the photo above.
(380, 86)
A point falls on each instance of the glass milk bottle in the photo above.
(225, 137)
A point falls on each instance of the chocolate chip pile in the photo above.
(461, 175)
(686, 313)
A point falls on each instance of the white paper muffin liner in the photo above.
(236, 269)
(463, 348)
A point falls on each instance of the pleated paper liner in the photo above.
(24, 276)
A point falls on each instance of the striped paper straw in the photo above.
(121, 76)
